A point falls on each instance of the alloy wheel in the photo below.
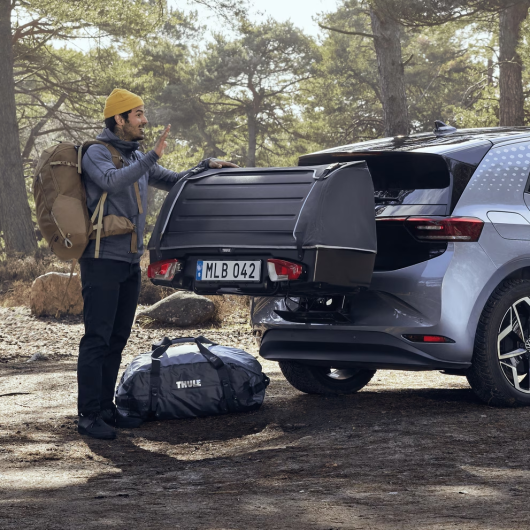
(341, 375)
(513, 345)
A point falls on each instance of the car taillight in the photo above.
(164, 270)
(281, 270)
(445, 228)
(433, 339)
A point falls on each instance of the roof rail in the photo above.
(441, 128)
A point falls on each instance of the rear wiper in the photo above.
(386, 199)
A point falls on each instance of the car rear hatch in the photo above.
(415, 194)
(272, 231)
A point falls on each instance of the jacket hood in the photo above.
(125, 147)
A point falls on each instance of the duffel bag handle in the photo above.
(179, 340)
(160, 348)
(215, 361)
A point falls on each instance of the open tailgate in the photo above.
(227, 230)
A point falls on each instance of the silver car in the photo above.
(438, 279)
(450, 289)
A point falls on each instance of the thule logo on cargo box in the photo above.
(189, 384)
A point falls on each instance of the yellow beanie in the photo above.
(121, 100)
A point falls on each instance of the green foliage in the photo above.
(237, 97)
(66, 18)
(60, 91)
(414, 13)
(446, 73)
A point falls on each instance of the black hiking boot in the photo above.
(93, 425)
(113, 417)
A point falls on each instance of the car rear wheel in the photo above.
(325, 380)
(500, 373)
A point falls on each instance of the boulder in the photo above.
(48, 295)
(182, 309)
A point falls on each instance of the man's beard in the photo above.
(132, 134)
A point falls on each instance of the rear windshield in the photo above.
(408, 171)
(408, 183)
(413, 183)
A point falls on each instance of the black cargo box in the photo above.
(321, 217)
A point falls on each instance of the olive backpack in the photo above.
(60, 203)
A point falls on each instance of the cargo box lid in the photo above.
(270, 208)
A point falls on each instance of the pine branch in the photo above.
(407, 61)
(44, 120)
(347, 32)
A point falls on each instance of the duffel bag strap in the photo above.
(154, 382)
(256, 389)
(222, 371)
(129, 403)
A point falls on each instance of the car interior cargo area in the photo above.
(268, 231)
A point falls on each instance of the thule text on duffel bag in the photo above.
(182, 378)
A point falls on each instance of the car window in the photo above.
(500, 179)
(462, 174)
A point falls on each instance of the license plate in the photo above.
(228, 271)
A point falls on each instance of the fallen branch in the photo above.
(16, 394)
(20, 405)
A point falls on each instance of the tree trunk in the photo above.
(387, 45)
(15, 214)
(252, 138)
(510, 65)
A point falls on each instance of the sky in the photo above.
(300, 12)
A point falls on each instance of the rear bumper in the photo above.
(342, 348)
(326, 271)
(443, 296)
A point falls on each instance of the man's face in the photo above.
(133, 129)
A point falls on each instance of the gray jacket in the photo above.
(100, 175)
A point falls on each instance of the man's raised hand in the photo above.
(161, 143)
(215, 163)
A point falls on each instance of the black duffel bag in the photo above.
(182, 380)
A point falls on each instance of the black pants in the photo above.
(110, 294)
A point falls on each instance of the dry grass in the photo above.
(231, 309)
(18, 273)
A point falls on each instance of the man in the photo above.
(111, 283)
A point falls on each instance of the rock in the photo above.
(182, 309)
(48, 295)
(39, 356)
(150, 293)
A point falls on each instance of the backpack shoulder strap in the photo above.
(117, 160)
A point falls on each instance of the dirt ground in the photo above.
(411, 450)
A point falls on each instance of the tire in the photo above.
(500, 371)
(322, 380)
